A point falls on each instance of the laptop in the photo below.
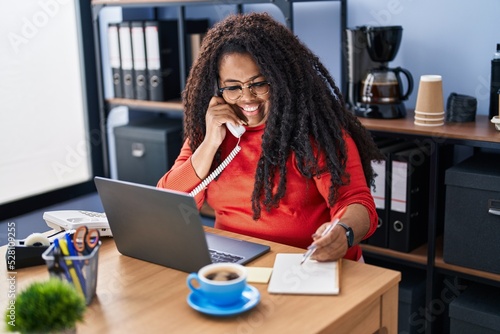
(164, 227)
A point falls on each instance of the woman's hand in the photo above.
(219, 113)
(331, 246)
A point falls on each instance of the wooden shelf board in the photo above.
(440, 263)
(173, 105)
(418, 255)
(481, 130)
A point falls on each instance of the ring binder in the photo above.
(162, 60)
(139, 60)
(382, 193)
(114, 59)
(409, 209)
(126, 60)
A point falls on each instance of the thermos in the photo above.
(495, 83)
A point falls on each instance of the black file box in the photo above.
(472, 213)
(145, 151)
(409, 209)
(476, 310)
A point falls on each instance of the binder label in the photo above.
(152, 47)
(378, 192)
(399, 185)
(114, 47)
(126, 48)
(138, 48)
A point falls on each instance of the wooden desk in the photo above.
(134, 296)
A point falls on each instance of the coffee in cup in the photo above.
(219, 283)
(222, 275)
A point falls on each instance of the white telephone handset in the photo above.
(236, 131)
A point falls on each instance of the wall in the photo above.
(455, 39)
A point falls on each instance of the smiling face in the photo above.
(237, 69)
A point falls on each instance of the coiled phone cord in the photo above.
(217, 171)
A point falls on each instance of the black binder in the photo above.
(408, 217)
(382, 192)
(114, 59)
(139, 60)
(195, 32)
(127, 61)
(162, 54)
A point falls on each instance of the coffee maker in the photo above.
(374, 89)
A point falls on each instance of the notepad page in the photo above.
(312, 277)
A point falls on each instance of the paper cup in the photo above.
(430, 94)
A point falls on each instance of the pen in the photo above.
(59, 264)
(312, 249)
(79, 265)
(71, 267)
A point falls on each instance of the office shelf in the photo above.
(477, 135)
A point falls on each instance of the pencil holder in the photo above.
(80, 271)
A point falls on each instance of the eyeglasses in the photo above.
(234, 93)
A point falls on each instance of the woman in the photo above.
(299, 164)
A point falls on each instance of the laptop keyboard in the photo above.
(218, 257)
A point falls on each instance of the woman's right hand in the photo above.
(218, 113)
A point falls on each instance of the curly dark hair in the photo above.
(307, 112)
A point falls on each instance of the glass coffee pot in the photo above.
(381, 91)
(384, 86)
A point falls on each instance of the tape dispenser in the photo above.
(26, 252)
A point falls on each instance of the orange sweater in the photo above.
(301, 211)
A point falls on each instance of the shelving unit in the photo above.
(105, 105)
(480, 134)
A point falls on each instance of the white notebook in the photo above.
(310, 278)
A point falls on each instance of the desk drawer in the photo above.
(365, 319)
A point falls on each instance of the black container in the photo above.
(472, 220)
(146, 150)
(411, 302)
(495, 83)
(476, 310)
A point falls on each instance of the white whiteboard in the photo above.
(43, 110)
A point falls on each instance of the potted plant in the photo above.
(52, 306)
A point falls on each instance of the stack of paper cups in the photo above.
(429, 110)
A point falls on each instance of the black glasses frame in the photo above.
(240, 87)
